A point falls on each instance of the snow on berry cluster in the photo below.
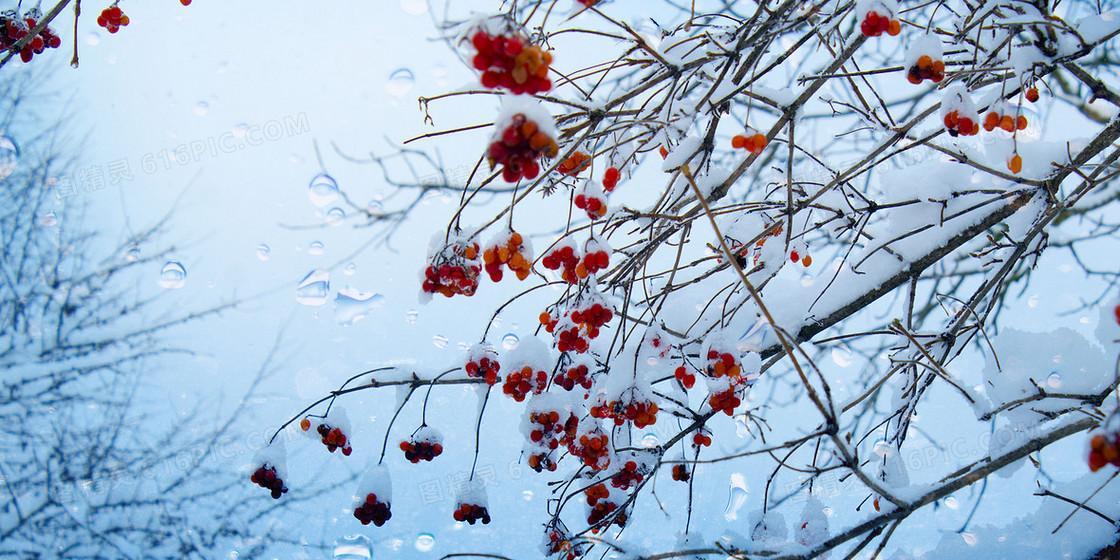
(574, 164)
(509, 61)
(590, 444)
(548, 423)
(374, 499)
(579, 324)
(472, 504)
(727, 375)
(575, 375)
(924, 60)
(112, 18)
(752, 141)
(482, 363)
(1004, 116)
(453, 267)
(632, 404)
(958, 112)
(878, 18)
(591, 199)
(270, 469)
(633, 472)
(558, 542)
(332, 430)
(511, 250)
(14, 27)
(522, 134)
(525, 364)
(424, 445)
(566, 258)
(602, 507)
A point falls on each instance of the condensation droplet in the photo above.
(952, 503)
(969, 539)
(355, 547)
(1032, 301)
(411, 316)
(313, 290)
(736, 496)
(510, 341)
(841, 355)
(132, 254)
(400, 82)
(315, 248)
(650, 440)
(335, 216)
(50, 219)
(201, 109)
(883, 448)
(440, 341)
(9, 156)
(527, 495)
(173, 276)
(93, 39)
(425, 542)
(323, 190)
(350, 269)
(263, 252)
(652, 361)
(351, 306)
(1054, 381)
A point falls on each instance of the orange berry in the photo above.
(539, 140)
(1032, 95)
(924, 61)
(1007, 122)
(515, 239)
(807, 260)
(1097, 442)
(581, 270)
(470, 253)
(1021, 122)
(759, 143)
(738, 141)
(938, 67)
(305, 424)
(1016, 164)
(528, 129)
(664, 153)
(894, 28)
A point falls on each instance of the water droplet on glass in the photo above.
(335, 216)
(969, 539)
(883, 448)
(375, 206)
(356, 547)
(841, 355)
(440, 341)
(353, 305)
(807, 280)
(93, 39)
(400, 82)
(827, 511)
(9, 156)
(201, 109)
(756, 336)
(527, 495)
(263, 251)
(1054, 381)
(350, 269)
(510, 341)
(173, 276)
(741, 428)
(50, 219)
(323, 190)
(411, 316)
(315, 248)
(240, 131)
(425, 542)
(736, 497)
(952, 503)
(132, 254)
(414, 7)
(1032, 301)
(652, 361)
(314, 288)
(650, 440)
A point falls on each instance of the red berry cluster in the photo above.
(720, 364)
(112, 19)
(687, 378)
(610, 179)
(641, 412)
(416, 451)
(592, 202)
(961, 125)
(13, 28)
(557, 542)
(680, 473)
(331, 436)
(454, 270)
(565, 258)
(511, 253)
(598, 498)
(700, 439)
(546, 434)
(519, 384)
(483, 364)
(1116, 312)
(1104, 449)
(471, 513)
(726, 400)
(926, 68)
(1010, 123)
(595, 259)
(575, 375)
(373, 511)
(518, 147)
(592, 448)
(265, 476)
(753, 143)
(875, 25)
(511, 62)
(574, 163)
(629, 476)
